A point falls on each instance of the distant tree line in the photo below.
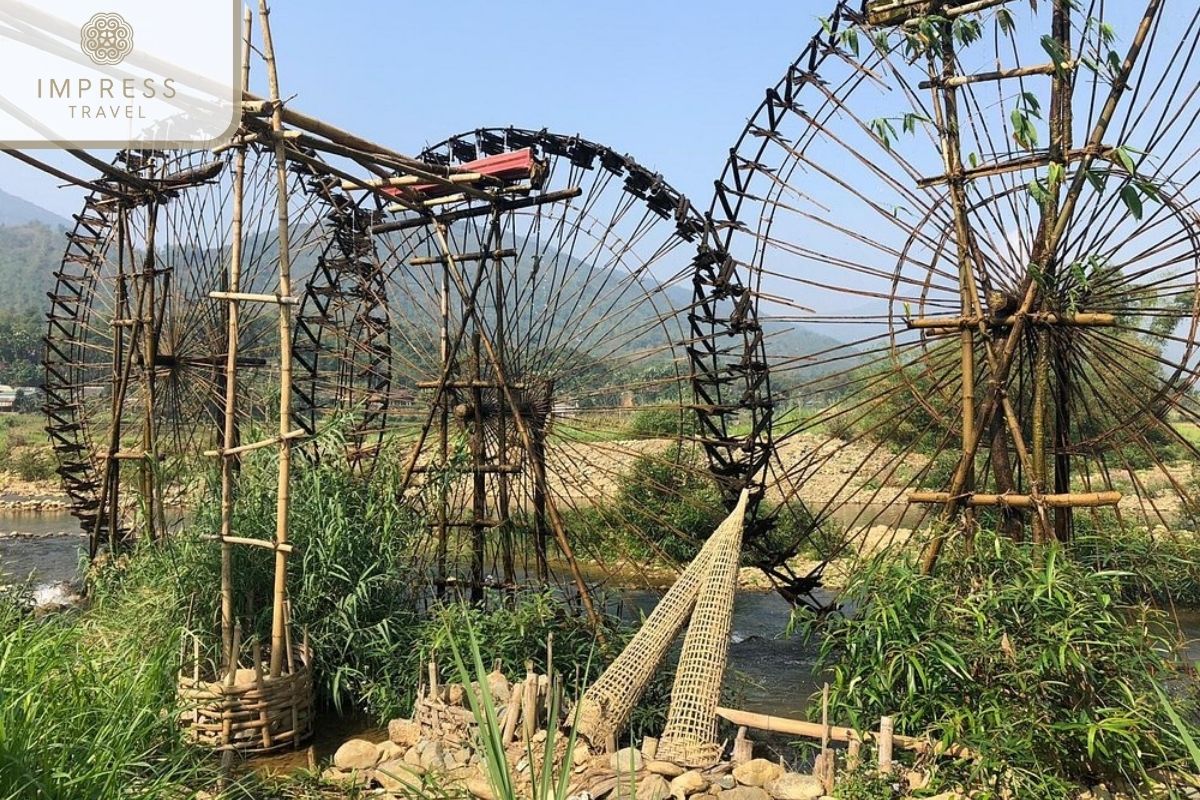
(21, 347)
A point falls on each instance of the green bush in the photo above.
(665, 505)
(1162, 567)
(662, 423)
(351, 580)
(1021, 654)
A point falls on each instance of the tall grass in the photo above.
(83, 705)
(550, 781)
(1024, 655)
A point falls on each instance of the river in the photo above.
(771, 673)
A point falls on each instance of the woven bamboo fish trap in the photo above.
(703, 594)
(690, 736)
(250, 711)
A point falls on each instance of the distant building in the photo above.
(8, 398)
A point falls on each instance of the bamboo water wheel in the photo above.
(520, 359)
(987, 211)
(135, 348)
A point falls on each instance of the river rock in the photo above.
(389, 750)
(621, 760)
(480, 788)
(404, 732)
(668, 769)
(356, 754)
(745, 793)
(724, 782)
(397, 776)
(653, 787)
(688, 783)
(343, 777)
(757, 772)
(432, 757)
(793, 786)
(412, 757)
(499, 687)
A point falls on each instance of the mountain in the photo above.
(29, 255)
(18, 211)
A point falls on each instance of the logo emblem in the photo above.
(106, 39)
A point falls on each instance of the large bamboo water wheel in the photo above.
(986, 209)
(135, 349)
(521, 360)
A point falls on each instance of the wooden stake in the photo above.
(885, 745)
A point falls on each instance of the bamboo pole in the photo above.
(886, 739)
(285, 350)
(1078, 500)
(232, 329)
(837, 733)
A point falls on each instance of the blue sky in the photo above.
(669, 83)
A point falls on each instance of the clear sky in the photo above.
(670, 83)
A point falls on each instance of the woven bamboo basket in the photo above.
(254, 713)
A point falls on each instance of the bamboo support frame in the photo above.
(1047, 247)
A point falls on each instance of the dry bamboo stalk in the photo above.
(435, 692)
(512, 713)
(837, 733)
(407, 180)
(885, 745)
(263, 716)
(996, 75)
(229, 432)
(245, 540)
(1077, 500)
(255, 298)
(246, 448)
(529, 703)
(285, 349)
(1081, 319)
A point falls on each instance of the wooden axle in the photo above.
(462, 257)
(1082, 500)
(1081, 319)
(250, 297)
(907, 12)
(486, 469)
